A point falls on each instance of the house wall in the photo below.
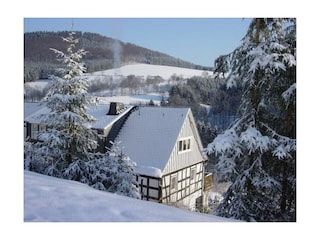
(183, 187)
(149, 188)
(186, 168)
(182, 159)
(32, 130)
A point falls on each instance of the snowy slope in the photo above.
(49, 199)
(145, 70)
(138, 69)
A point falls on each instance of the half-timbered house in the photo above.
(164, 143)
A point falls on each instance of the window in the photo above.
(180, 146)
(184, 145)
(34, 131)
(173, 182)
(192, 174)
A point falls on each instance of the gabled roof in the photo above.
(149, 136)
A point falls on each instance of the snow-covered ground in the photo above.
(141, 70)
(145, 70)
(49, 199)
(133, 99)
(138, 69)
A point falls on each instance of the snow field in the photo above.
(49, 199)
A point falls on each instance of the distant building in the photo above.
(164, 143)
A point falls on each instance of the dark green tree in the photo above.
(258, 152)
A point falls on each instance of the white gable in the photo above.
(149, 136)
(191, 156)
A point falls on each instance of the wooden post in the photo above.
(141, 188)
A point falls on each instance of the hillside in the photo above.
(49, 199)
(103, 53)
(36, 89)
(145, 70)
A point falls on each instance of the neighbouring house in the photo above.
(164, 143)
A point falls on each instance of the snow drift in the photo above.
(49, 199)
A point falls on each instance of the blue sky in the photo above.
(198, 40)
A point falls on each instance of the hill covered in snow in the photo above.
(37, 89)
(102, 53)
(49, 199)
(145, 70)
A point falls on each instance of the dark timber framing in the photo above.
(187, 185)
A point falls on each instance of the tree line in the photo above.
(103, 53)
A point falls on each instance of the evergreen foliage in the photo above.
(257, 154)
(68, 138)
(210, 91)
(66, 146)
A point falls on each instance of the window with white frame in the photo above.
(193, 174)
(173, 182)
(184, 144)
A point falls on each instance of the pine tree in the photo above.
(66, 147)
(67, 139)
(112, 171)
(121, 176)
(258, 152)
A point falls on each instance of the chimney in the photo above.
(115, 108)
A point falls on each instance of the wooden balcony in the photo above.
(208, 184)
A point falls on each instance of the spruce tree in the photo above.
(66, 147)
(121, 176)
(68, 138)
(257, 154)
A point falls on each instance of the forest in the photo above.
(102, 53)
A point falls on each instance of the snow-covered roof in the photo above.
(34, 117)
(30, 108)
(149, 136)
(99, 112)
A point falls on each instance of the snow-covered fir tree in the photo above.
(121, 173)
(66, 146)
(112, 171)
(257, 154)
(67, 138)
